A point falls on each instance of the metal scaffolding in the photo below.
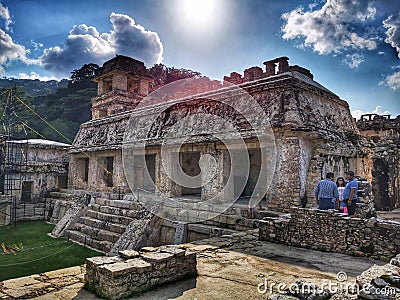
(14, 158)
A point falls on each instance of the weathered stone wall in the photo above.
(314, 131)
(333, 232)
(384, 135)
(113, 102)
(132, 273)
(97, 171)
(45, 165)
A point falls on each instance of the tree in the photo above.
(14, 105)
(163, 75)
(86, 73)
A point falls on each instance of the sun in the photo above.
(198, 12)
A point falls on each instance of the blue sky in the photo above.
(351, 47)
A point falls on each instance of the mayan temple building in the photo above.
(313, 129)
(199, 189)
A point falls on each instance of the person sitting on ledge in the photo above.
(326, 192)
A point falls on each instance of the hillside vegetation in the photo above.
(58, 108)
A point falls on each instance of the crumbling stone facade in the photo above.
(131, 272)
(383, 132)
(333, 232)
(314, 133)
(123, 82)
(34, 168)
(46, 167)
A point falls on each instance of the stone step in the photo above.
(87, 241)
(131, 205)
(30, 205)
(110, 210)
(106, 217)
(210, 230)
(30, 218)
(62, 195)
(30, 215)
(96, 223)
(30, 209)
(97, 233)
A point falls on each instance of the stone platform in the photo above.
(132, 272)
(229, 267)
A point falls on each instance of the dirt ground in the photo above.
(393, 215)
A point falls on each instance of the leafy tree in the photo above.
(163, 75)
(86, 73)
(14, 104)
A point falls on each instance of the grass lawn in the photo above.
(40, 253)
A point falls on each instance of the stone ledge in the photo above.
(133, 272)
(333, 232)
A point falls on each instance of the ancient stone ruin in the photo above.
(122, 200)
(30, 170)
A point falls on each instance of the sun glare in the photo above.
(198, 12)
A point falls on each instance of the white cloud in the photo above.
(35, 75)
(378, 110)
(392, 24)
(331, 28)
(36, 46)
(5, 15)
(85, 44)
(392, 81)
(11, 51)
(353, 60)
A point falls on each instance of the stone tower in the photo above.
(122, 83)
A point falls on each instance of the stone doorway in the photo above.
(150, 183)
(82, 168)
(62, 181)
(26, 192)
(109, 171)
(190, 165)
(254, 173)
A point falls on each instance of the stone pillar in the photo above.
(286, 190)
(100, 87)
(144, 87)
(96, 172)
(119, 177)
(212, 165)
(167, 187)
(283, 64)
(270, 68)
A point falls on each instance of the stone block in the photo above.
(116, 269)
(95, 262)
(139, 265)
(126, 254)
(156, 256)
(148, 249)
(174, 251)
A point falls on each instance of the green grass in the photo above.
(41, 253)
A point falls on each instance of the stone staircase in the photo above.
(104, 222)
